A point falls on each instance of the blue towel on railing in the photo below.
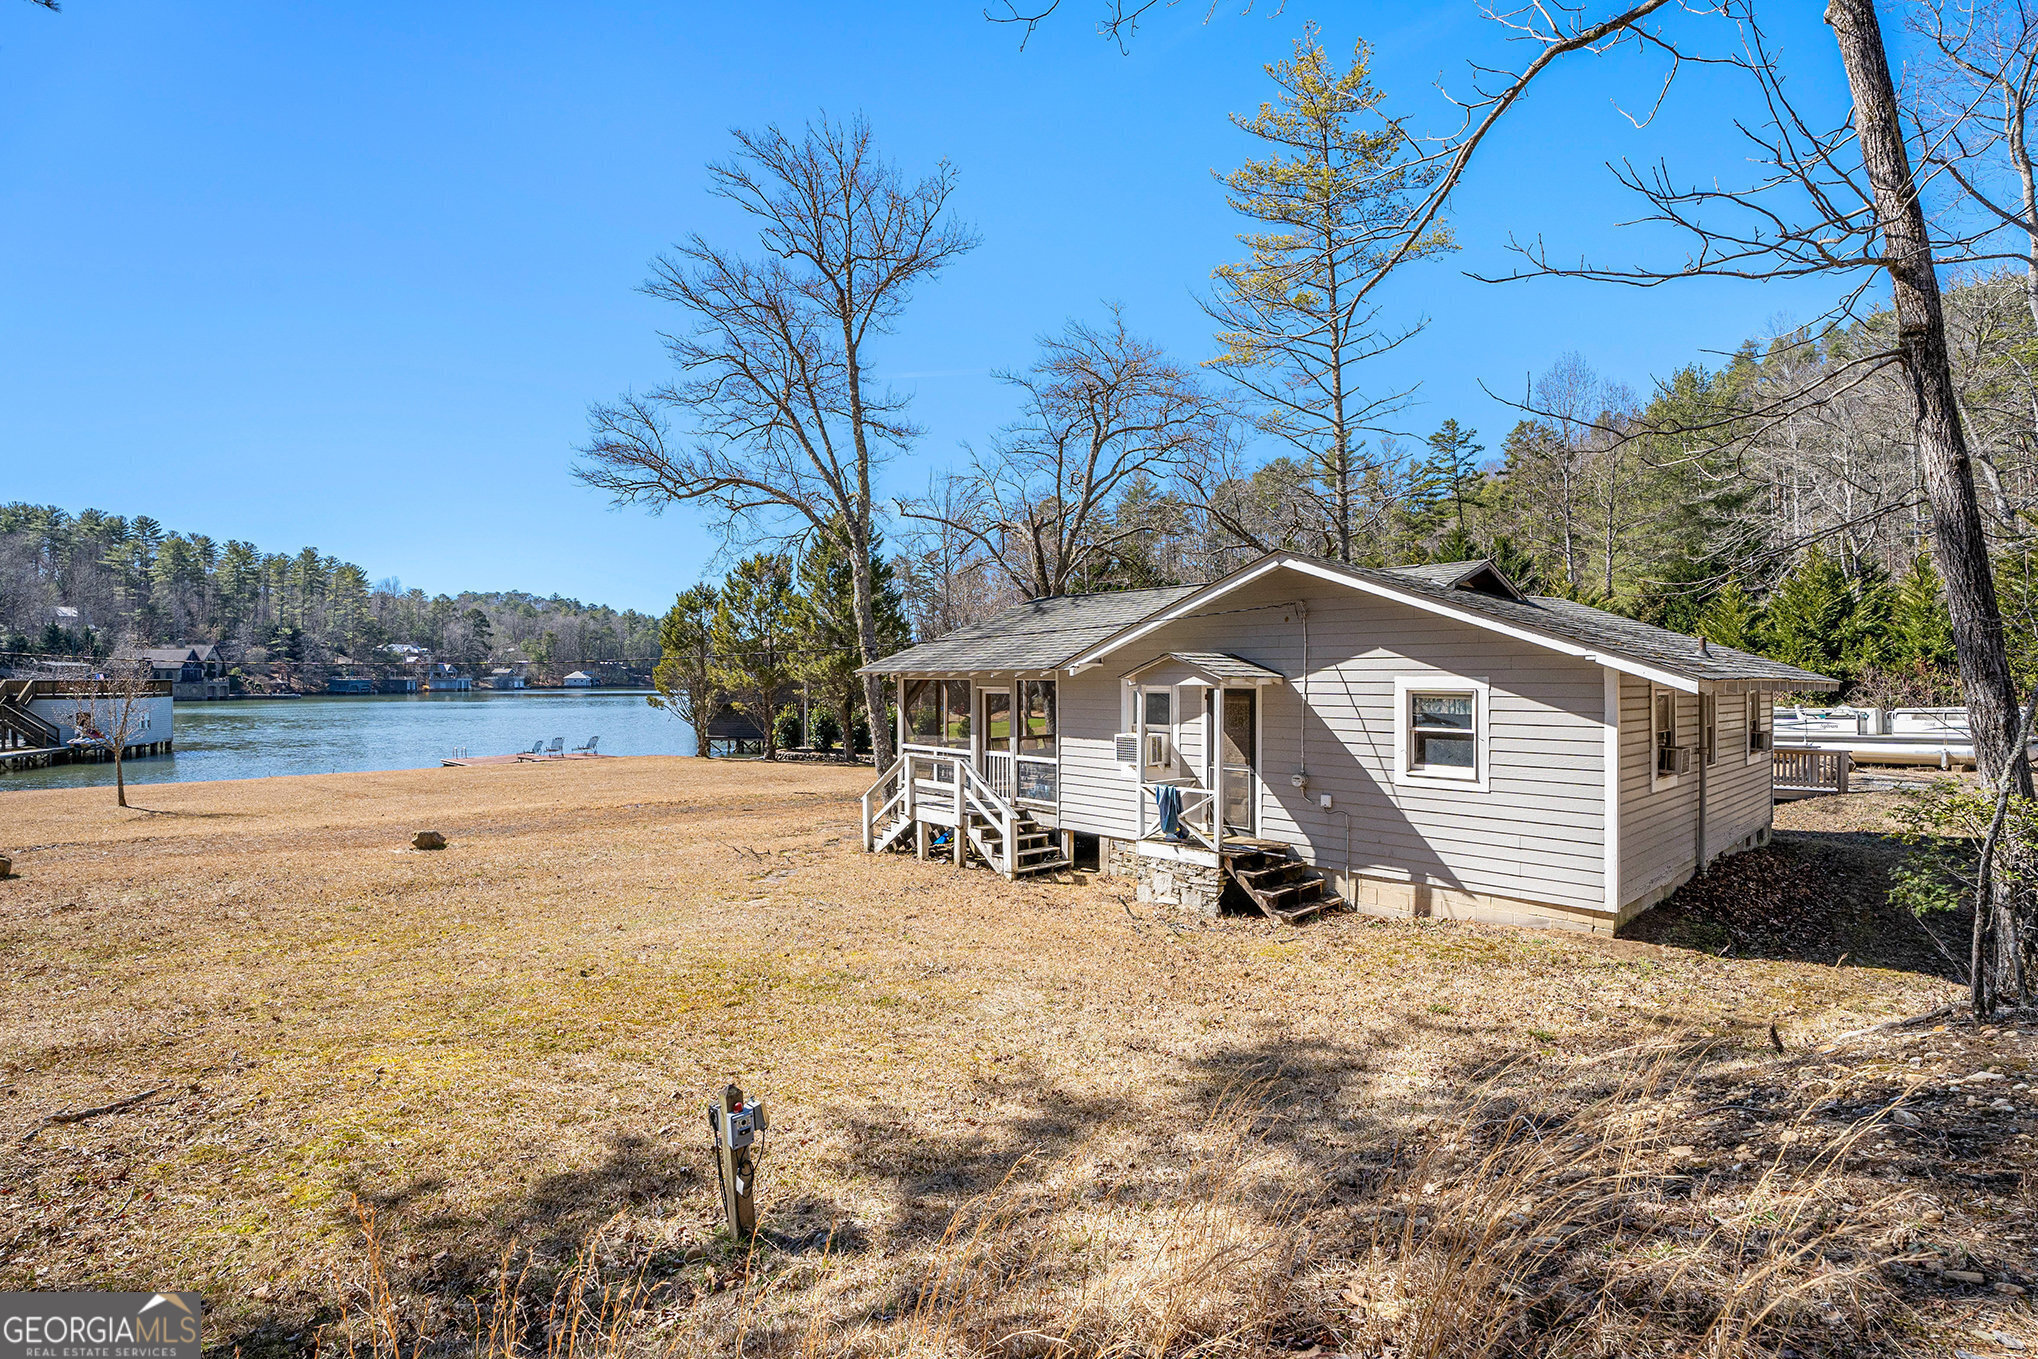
(1167, 800)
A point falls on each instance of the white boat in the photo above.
(1927, 736)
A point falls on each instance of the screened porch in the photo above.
(1003, 727)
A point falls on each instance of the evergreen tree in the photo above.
(1329, 194)
(684, 682)
(755, 635)
(1453, 463)
(825, 618)
(1730, 618)
(1921, 633)
(1869, 642)
(1515, 561)
(1811, 616)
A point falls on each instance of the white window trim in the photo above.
(1173, 768)
(1481, 692)
(1709, 750)
(1758, 712)
(1657, 778)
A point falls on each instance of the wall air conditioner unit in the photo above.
(1126, 744)
(1674, 759)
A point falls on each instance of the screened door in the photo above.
(1240, 746)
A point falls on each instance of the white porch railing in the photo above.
(1198, 819)
(998, 772)
(945, 789)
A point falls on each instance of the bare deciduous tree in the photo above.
(112, 710)
(1974, 114)
(1099, 409)
(783, 425)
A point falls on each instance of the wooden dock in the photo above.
(521, 757)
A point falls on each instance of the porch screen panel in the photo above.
(923, 711)
(1038, 774)
(955, 723)
(1036, 715)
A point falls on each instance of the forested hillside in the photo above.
(132, 577)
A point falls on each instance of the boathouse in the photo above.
(1420, 741)
(58, 721)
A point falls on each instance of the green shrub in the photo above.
(1945, 826)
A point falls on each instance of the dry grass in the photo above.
(1009, 1119)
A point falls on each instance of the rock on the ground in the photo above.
(428, 840)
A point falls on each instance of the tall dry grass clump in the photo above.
(1527, 1223)
(1524, 1228)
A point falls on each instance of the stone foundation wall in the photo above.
(1193, 887)
(1119, 858)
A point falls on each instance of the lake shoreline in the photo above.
(230, 740)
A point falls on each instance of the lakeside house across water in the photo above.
(193, 672)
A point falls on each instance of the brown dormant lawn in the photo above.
(1021, 1118)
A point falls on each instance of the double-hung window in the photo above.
(1670, 757)
(1441, 730)
(1157, 708)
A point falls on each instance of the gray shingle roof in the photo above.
(1603, 631)
(1037, 635)
(1044, 634)
(1449, 574)
(1217, 665)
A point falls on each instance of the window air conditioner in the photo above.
(1674, 759)
(1759, 739)
(1157, 752)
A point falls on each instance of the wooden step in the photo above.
(1284, 889)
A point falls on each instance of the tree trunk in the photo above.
(703, 713)
(1959, 548)
(119, 777)
(867, 648)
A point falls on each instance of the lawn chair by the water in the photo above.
(558, 747)
(589, 748)
(536, 752)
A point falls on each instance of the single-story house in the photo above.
(1420, 741)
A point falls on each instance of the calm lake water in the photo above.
(256, 738)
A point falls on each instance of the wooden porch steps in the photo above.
(1039, 848)
(1284, 889)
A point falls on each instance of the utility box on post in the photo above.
(736, 1124)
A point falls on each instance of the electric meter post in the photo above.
(736, 1124)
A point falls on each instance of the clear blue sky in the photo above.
(347, 275)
